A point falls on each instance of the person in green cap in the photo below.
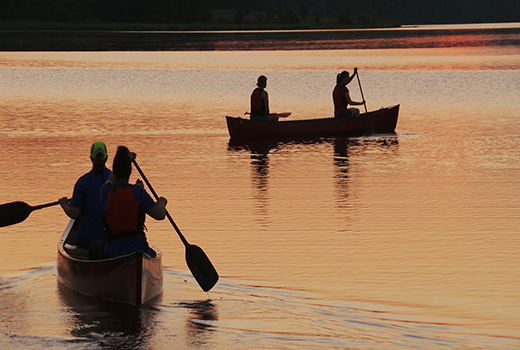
(85, 204)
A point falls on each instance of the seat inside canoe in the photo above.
(79, 252)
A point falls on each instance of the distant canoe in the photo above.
(134, 279)
(381, 121)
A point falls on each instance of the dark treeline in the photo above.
(342, 12)
(116, 11)
(394, 11)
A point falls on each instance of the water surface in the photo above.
(398, 241)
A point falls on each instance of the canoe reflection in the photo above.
(109, 324)
(259, 172)
(344, 148)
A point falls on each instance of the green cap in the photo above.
(98, 147)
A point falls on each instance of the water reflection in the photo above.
(374, 148)
(345, 148)
(259, 171)
(198, 325)
(11, 302)
(341, 162)
(259, 178)
(108, 324)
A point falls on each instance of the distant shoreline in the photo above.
(148, 39)
(179, 27)
(31, 25)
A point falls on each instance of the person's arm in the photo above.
(155, 210)
(352, 76)
(72, 212)
(352, 103)
(158, 212)
(73, 206)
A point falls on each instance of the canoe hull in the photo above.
(132, 279)
(379, 122)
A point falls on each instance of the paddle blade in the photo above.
(201, 268)
(283, 115)
(13, 213)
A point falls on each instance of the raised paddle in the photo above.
(197, 261)
(360, 89)
(16, 212)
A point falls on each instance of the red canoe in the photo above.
(132, 279)
(380, 122)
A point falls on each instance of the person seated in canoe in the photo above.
(341, 97)
(85, 205)
(260, 102)
(125, 211)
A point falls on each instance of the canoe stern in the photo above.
(133, 279)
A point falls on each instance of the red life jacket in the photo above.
(257, 102)
(123, 215)
(338, 96)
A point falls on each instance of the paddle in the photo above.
(369, 126)
(283, 115)
(197, 261)
(279, 115)
(360, 89)
(16, 212)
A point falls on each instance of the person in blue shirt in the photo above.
(85, 204)
(125, 210)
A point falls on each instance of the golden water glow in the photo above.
(449, 58)
(425, 221)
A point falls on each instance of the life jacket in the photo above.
(257, 102)
(123, 215)
(338, 96)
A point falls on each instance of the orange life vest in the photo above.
(123, 215)
(338, 96)
(257, 102)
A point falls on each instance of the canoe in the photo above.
(134, 279)
(381, 121)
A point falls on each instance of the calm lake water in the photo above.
(402, 241)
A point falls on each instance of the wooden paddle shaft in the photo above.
(197, 261)
(183, 239)
(360, 89)
(41, 206)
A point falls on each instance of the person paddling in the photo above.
(260, 102)
(85, 204)
(341, 97)
(125, 208)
